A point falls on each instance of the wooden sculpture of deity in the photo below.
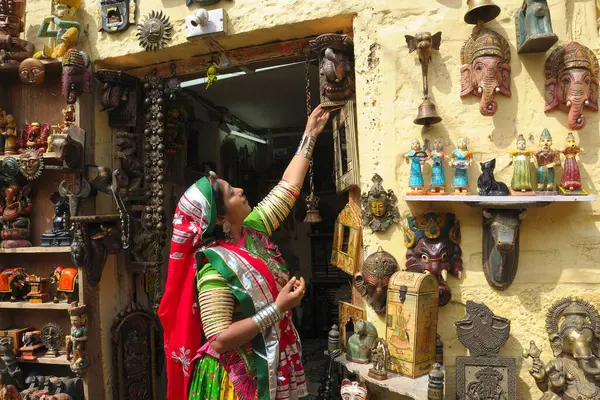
(12, 49)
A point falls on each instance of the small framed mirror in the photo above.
(346, 239)
(346, 148)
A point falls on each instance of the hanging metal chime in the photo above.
(312, 201)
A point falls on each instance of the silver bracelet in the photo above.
(267, 317)
(310, 142)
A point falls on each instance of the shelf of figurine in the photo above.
(17, 285)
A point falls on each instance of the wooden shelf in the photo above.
(25, 305)
(51, 156)
(50, 66)
(35, 250)
(60, 360)
(501, 201)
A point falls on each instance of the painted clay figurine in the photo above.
(361, 342)
(438, 181)
(546, 160)
(12, 49)
(487, 185)
(66, 29)
(572, 82)
(461, 159)
(571, 179)
(573, 327)
(521, 179)
(534, 27)
(486, 69)
(77, 340)
(416, 156)
(35, 136)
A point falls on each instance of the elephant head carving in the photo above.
(572, 82)
(486, 71)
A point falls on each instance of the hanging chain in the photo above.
(308, 111)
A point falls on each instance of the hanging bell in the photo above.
(312, 210)
(481, 10)
(427, 114)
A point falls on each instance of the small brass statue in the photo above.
(379, 357)
(379, 208)
(573, 327)
(424, 43)
(534, 27)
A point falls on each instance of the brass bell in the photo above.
(312, 210)
(481, 10)
(427, 114)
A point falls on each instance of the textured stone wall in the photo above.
(559, 243)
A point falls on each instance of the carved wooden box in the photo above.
(411, 326)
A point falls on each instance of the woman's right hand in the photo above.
(291, 295)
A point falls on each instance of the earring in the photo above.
(227, 230)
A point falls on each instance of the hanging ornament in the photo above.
(312, 201)
(211, 74)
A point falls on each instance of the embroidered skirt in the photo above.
(211, 382)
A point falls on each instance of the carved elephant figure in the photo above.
(572, 82)
(485, 77)
(67, 283)
(13, 284)
(501, 245)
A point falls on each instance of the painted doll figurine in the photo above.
(571, 179)
(416, 156)
(546, 160)
(521, 179)
(65, 32)
(461, 159)
(438, 181)
(11, 144)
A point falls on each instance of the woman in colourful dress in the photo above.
(416, 156)
(461, 160)
(571, 179)
(226, 309)
(521, 179)
(438, 181)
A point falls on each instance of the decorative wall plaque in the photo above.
(348, 314)
(155, 31)
(379, 208)
(347, 239)
(116, 15)
(345, 145)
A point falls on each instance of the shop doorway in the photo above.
(247, 126)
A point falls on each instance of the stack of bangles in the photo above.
(278, 204)
(267, 317)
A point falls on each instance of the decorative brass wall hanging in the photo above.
(486, 71)
(345, 147)
(347, 239)
(481, 11)
(379, 208)
(373, 280)
(534, 27)
(432, 243)
(155, 31)
(336, 68)
(573, 327)
(424, 43)
(31, 164)
(484, 372)
(135, 338)
(116, 15)
(572, 82)
(119, 97)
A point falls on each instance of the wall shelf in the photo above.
(501, 201)
(60, 360)
(38, 249)
(23, 305)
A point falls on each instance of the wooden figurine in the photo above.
(11, 144)
(77, 340)
(119, 97)
(416, 156)
(53, 337)
(336, 68)
(76, 79)
(132, 169)
(67, 283)
(411, 324)
(116, 15)
(433, 245)
(379, 208)
(60, 234)
(13, 284)
(487, 185)
(573, 327)
(374, 278)
(572, 82)
(15, 206)
(32, 346)
(438, 180)
(39, 289)
(361, 342)
(14, 49)
(460, 161)
(571, 180)
(521, 183)
(534, 27)
(35, 136)
(379, 357)
(32, 71)
(486, 69)
(353, 390)
(546, 160)
(66, 32)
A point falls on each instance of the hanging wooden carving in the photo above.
(134, 335)
(119, 97)
(345, 147)
(347, 239)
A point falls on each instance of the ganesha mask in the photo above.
(374, 279)
(572, 82)
(76, 78)
(432, 245)
(486, 71)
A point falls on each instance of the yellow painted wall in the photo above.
(559, 243)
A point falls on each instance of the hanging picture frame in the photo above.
(347, 237)
(348, 313)
(345, 145)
